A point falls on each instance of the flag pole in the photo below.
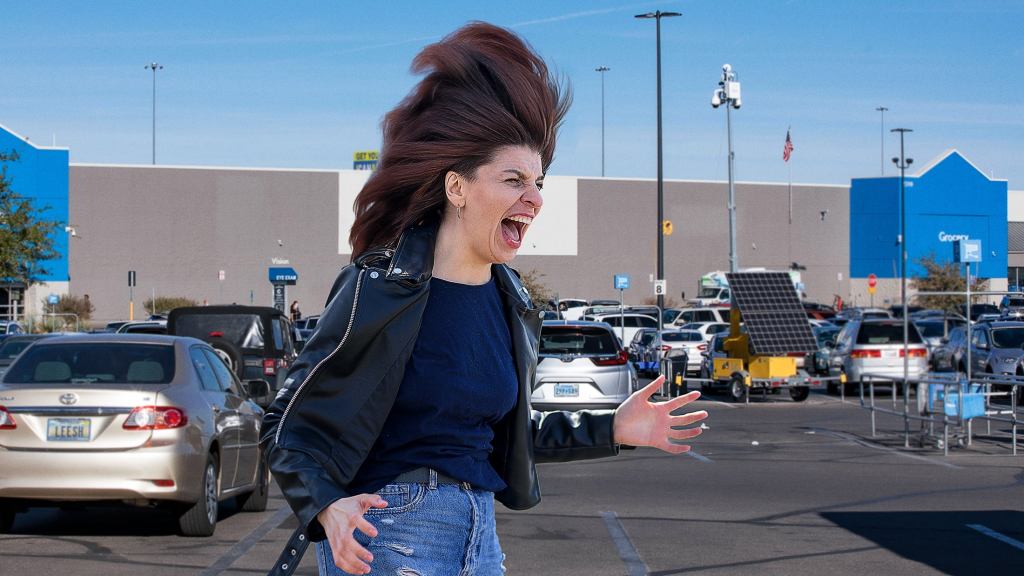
(790, 181)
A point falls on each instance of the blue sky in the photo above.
(305, 84)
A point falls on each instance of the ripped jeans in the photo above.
(428, 530)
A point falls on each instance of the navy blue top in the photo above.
(459, 381)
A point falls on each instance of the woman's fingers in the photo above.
(671, 448)
(365, 527)
(683, 400)
(687, 419)
(684, 434)
(647, 391)
(353, 558)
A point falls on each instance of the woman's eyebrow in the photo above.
(520, 174)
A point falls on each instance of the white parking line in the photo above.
(697, 456)
(634, 565)
(993, 534)
(247, 543)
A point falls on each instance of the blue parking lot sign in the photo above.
(621, 282)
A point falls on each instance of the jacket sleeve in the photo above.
(565, 436)
(303, 479)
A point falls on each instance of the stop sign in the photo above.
(872, 280)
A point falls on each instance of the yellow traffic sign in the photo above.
(871, 289)
(666, 227)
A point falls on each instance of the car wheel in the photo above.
(256, 501)
(737, 389)
(200, 519)
(799, 393)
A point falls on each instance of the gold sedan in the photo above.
(138, 419)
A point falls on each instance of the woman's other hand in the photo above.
(640, 422)
(340, 521)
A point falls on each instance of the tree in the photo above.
(539, 292)
(943, 277)
(26, 236)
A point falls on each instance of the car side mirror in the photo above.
(258, 391)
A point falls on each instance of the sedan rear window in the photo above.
(93, 363)
(682, 337)
(1008, 337)
(885, 333)
(12, 348)
(583, 340)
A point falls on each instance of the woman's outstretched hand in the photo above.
(640, 422)
(340, 520)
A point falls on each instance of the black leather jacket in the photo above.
(323, 423)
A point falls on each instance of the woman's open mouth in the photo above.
(514, 228)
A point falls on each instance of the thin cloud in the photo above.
(583, 14)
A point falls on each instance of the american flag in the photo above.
(787, 150)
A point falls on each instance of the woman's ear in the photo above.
(453, 189)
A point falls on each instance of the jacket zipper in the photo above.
(348, 329)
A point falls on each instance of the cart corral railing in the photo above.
(949, 401)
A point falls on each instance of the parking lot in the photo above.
(773, 487)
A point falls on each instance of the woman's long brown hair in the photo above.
(484, 89)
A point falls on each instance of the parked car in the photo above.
(706, 329)
(644, 353)
(147, 327)
(255, 341)
(875, 347)
(581, 365)
(711, 314)
(946, 356)
(1012, 302)
(996, 348)
(625, 325)
(936, 328)
(683, 343)
(15, 345)
(716, 349)
(113, 326)
(10, 328)
(826, 337)
(978, 310)
(306, 326)
(170, 425)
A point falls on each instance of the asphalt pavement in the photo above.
(772, 487)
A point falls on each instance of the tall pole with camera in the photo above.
(728, 93)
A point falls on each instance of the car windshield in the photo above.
(244, 330)
(1005, 337)
(577, 340)
(682, 337)
(1015, 303)
(825, 335)
(10, 349)
(932, 329)
(92, 363)
(709, 292)
(875, 315)
(885, 333)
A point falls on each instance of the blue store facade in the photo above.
(947, 200)
(39, 173)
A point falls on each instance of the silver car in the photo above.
(581, 365)
(875, 347)
(141, 419)
(689, 343)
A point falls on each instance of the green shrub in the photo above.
(165, 304)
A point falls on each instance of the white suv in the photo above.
(702, 315)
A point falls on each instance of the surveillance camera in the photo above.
(895, 160)
(910, 161)
(716, 99)
(727, 68)
(736, 103)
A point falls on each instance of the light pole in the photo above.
(902, 162)
(602, 70)
(657, 16)
(728, 93)
(881, 158)
(154, 66)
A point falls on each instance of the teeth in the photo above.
(521, 219)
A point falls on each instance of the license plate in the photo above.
(567, 390)
(68, 429)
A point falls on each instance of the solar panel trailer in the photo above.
(775, 334)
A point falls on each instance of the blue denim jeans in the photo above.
(428, 530)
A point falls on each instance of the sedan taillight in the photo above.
(915, 353)
(866, 354)
(155, 418)
(619, 359)
(6, 420)
(269, 366)
(664, 347)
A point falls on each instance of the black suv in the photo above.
(256, 342)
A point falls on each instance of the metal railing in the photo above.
(957, 414)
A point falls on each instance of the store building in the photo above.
(221, 234)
